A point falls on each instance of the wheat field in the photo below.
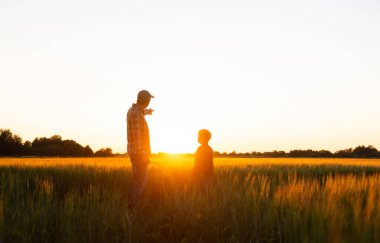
(250, 200)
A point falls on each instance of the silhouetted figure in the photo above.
(203, 170)
(139, 142)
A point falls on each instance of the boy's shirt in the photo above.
(204, 164)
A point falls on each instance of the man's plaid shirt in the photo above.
(137, 132)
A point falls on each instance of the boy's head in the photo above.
(204, 136)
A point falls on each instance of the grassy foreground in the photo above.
(249, 201)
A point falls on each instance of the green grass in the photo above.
(254, 203)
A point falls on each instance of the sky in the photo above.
(260, 75)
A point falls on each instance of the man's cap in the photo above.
(144, 95)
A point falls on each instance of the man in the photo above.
(139, 142)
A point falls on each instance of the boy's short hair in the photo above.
(204, 135)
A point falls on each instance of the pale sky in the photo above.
(260, 75)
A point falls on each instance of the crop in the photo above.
(260, 200)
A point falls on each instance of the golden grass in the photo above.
(182, 162)
(250, 200)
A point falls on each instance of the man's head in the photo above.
(143, 98)
(204, 136)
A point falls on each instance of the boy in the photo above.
(203, 166)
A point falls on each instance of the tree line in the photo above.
(358, 152)
(12, 145)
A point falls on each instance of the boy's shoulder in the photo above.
(204, 147)
(209, 148)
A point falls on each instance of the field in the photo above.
(250, 200)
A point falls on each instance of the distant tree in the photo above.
(325, 154)
(28, 148)
(246, 155)
(104, 152)
(55, 146)
(216, 154)
(88, 151)
(255, 154)
(365, 152)
(311, 153)
(233, 154)
(274, 154)
(27, 144)
(345, 153)
(299, 153)
(10, 144)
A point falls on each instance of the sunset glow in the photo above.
(259, 75)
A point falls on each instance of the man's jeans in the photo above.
(139, 170)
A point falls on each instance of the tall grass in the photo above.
(248, 203)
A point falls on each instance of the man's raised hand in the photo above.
(148, 111)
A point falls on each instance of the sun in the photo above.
(173, 148)
(172, 145)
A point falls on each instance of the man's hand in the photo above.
(148, 111)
